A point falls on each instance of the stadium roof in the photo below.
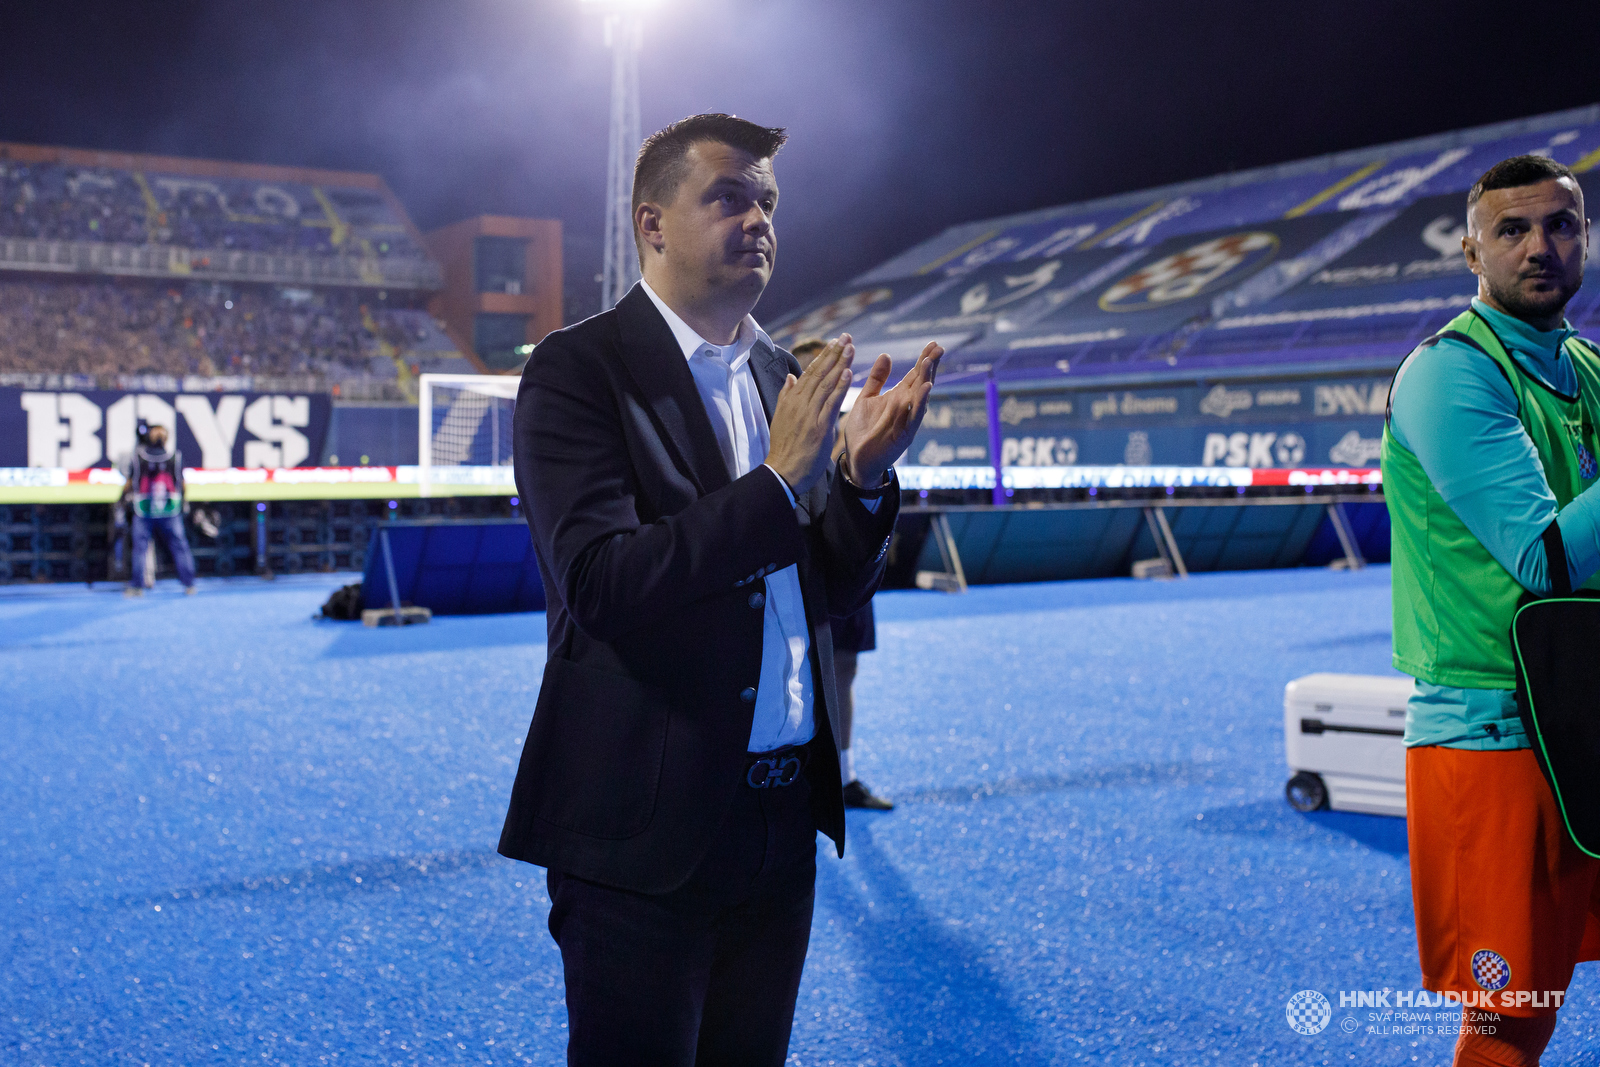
(1339, 262)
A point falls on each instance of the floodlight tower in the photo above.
(624, 36)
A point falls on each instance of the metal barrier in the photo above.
(956, 540)
(200, 264)
(77, 542)
(942, 567)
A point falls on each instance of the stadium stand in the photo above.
(115, 265)
(61, 201)
(1250, 319)
(1342, 260)
(102, 328)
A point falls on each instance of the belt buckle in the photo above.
(772, 772)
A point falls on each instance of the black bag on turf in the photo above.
(1554, 643)
(345, 604)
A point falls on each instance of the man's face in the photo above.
(717, 231)
(1527, 246)
(158, 436)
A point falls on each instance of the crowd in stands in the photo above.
(413, 330)
(70, 203)
(128, 327)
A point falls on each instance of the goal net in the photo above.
(464, 420)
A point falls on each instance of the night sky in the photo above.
(905, 116)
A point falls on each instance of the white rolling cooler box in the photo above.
(1343, 736)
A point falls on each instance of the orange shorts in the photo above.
(1505, 902)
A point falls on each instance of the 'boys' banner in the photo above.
(77, 430)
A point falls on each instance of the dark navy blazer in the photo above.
(654, 566)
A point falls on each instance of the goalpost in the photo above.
(464, 420)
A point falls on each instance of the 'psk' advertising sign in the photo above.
(1327, 423)
(78, 430)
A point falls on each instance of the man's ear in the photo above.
(647, 221)
(1469, 248)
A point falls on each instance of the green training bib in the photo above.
(1453, 602)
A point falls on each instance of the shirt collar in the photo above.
(691, 342)
(1522, 337)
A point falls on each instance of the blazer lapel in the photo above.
(655, 361)
(770, 370)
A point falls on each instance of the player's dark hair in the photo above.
(1516, 172)
(663, 158)
(809, 347)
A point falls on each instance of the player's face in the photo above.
(718, 229)
(1527, 246)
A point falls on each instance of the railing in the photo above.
(347, 390)
(370, 391)
(167, 261)
(956, 519)
(940, 492)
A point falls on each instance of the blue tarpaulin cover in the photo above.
(456, 568)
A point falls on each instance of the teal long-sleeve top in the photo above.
(1454, 410)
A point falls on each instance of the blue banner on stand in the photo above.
(1335, 422)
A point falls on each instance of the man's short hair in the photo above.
(663, 158)
(809, 347)
(1516, 172)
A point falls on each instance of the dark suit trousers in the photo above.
(706, 975)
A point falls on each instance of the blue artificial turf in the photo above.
(235, 835)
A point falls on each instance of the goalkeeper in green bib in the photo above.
(1488, 455)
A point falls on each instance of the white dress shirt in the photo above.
(785, 694)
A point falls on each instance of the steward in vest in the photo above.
(154, 493)
(1489, 448)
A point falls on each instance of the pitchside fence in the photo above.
(1056, 522)
(1097, 522)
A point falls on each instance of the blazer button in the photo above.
(757, 600)
(747, 695)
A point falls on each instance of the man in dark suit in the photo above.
(696, 529)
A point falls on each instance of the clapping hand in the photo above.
(806, 418)
(879, 427)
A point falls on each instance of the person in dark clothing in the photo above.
(153, 494)
(851, 636)
(696, 532)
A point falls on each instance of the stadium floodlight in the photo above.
(624, 36)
